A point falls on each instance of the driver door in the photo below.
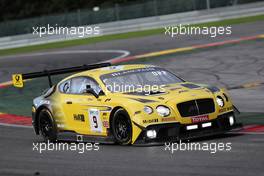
(84, 110)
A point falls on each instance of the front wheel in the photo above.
(47, 126)
(121, 127)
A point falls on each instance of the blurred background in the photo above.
(18, 16)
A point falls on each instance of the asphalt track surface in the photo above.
(245, 157)
(18, 158)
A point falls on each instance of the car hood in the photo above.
(179, 92)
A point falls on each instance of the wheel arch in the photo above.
(36, 118)
(115, 109)
(112, 115)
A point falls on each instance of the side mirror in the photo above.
(89, 90)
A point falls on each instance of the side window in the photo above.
(65, 86)
(79, 84)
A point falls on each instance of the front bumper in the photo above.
(175, 131)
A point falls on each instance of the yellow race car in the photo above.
(127, 104)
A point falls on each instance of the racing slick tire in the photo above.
(47, 126)
(121, 127)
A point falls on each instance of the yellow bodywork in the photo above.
(87, 115)
(76, 112)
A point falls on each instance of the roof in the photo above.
(111, 69)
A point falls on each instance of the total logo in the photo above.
(201, 118)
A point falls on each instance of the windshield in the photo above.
(139, 79)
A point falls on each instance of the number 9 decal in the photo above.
(95, 120)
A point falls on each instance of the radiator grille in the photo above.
(196, 107)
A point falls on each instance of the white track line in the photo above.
(123, 53)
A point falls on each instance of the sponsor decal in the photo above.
(225, 109)
(79, 138)
(168, 119)
(78, 117)
(108, 99)
(95, 120)
(106, 124)
(201, 118)
(119, 67)
(182, 91)
(141, 99)
(17, 80)
(151, 121)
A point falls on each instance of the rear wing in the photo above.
(18, 79)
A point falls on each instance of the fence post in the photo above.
(79, 16)
(194, 4)
(155, 7)
(117, 12)
(208, 4)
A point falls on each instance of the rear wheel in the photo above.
(121, 127)
(47, 126)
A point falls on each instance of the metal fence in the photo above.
(118, 12)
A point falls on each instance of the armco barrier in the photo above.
(140, 24)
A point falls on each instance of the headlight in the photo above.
(163, 111)
(231, 120)
(220, 101)
(148, 109)
(151, 134)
